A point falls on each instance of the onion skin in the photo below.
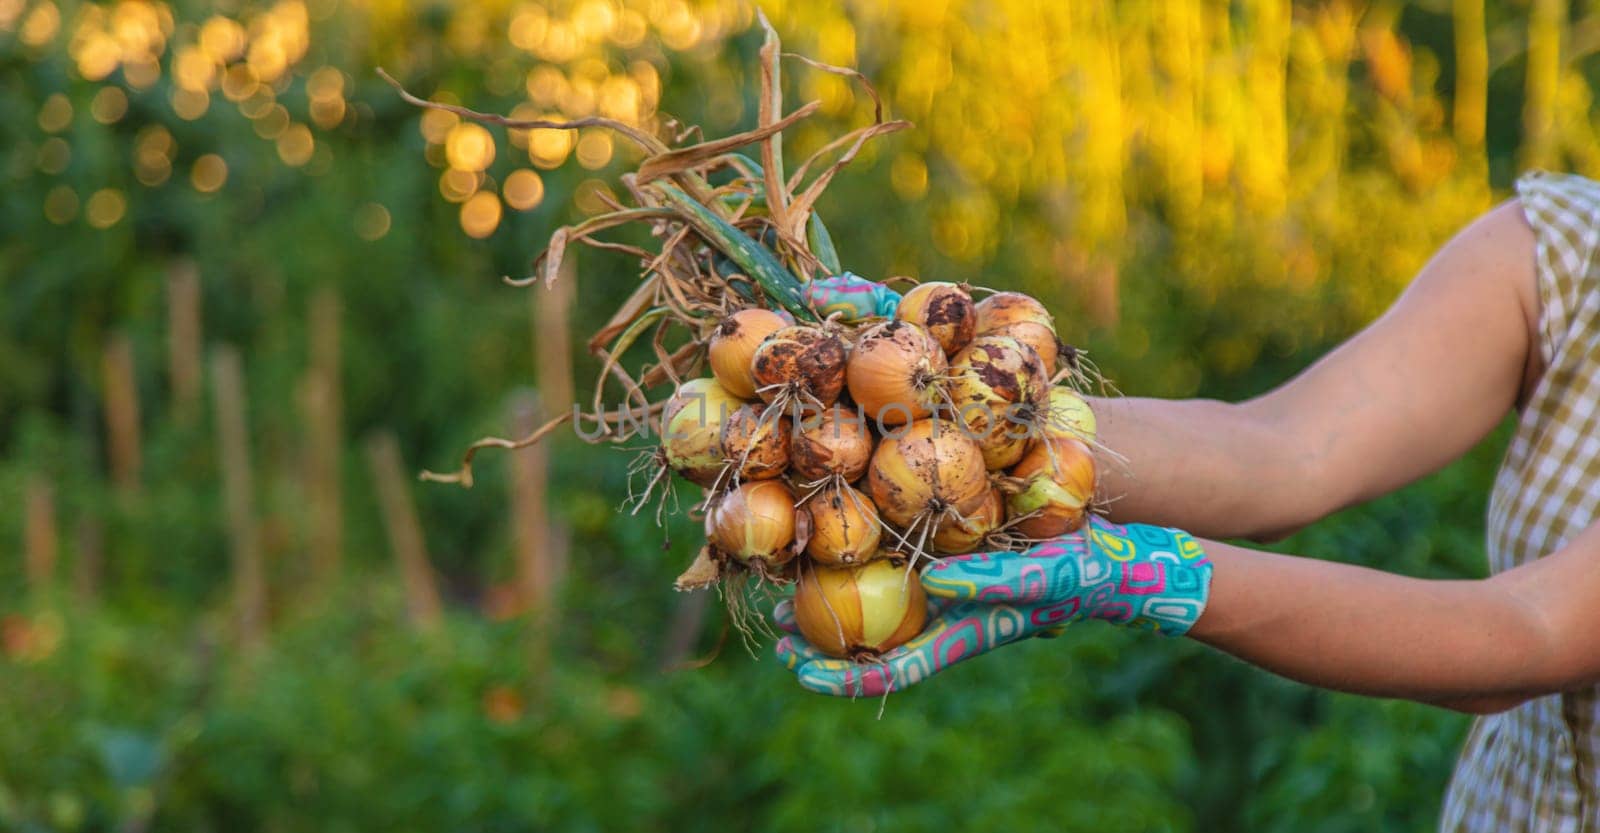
(836, 442)
(859, 612)
(945, 310)
(931, 465)
(1066, 414)
(733, 348)
(1056, 481)
(959, 536)
(844, 527)
(754, 443)
(1024, 319)
(754, 522)
(895, 373)
(998, 385)
(692, 432)
(802, 359)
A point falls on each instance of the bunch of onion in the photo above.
(998, 387)
(1049, 490)
(799, 367)
(843, 526)
(897, 373)
(732, 348)
(924, 477)
(945, 310)
(858, 612)
(1024, 319)
(754, 525)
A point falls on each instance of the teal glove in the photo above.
(1140, 576)
(851, 296)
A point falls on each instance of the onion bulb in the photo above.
(833, 443)
(945, 310)
(961, 535)
(692, 433)
(733, 347)
(859, 612)
(923, 473)
(896, 373)
(799, 365)
(1066, 414)
(998, 386)
(1023, 318)
(753, 524)
(844, 526)
(755, 444)
(1055, 482)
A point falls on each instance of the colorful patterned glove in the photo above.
(1140, 576)
(851, 295)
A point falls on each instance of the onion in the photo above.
(753, 524)
(896, 373)
(965, 534)
(833, 443)
(844, 526)
(923, 475)
(1055, 480)
(1024, 319)
(945, 310)
(733, 346)
(799, 365)
(755, 444)
(859, 612)
(998, 387)
(692, 437)
(1066, 414)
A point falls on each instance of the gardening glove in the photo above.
(1146, 577)
(852, 296)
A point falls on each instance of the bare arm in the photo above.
(1476, 645)
(1407, 395)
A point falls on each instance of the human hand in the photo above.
(1139, 576)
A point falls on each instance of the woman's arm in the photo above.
(1474, 645)
(1413, 391)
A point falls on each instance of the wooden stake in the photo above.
(1540, 143)
(122, 413)
(39, 534)
(552, 339)
(404, 529)
(233, 450)
(322, 401)
(183, 338)
(89, 538)
(539, 547)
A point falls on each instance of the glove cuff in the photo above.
(1160, 581)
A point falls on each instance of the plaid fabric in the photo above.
(1533, 768)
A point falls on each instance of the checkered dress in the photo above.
(1533, 768)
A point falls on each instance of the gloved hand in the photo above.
(852, 296)
(1140, 576)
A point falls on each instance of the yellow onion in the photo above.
(799, 365)
(1066, 414)
(965, 534)
(1024, 319)
(835, 442)
(753, 524)
(998, 386)
(925, 472)
(1054, 482)
(755, 444)
(896, 373)
(859, 612)
(844, 526)
(692, 433)
(733, 347)
(945, 310)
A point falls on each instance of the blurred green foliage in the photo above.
(1210, 194)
